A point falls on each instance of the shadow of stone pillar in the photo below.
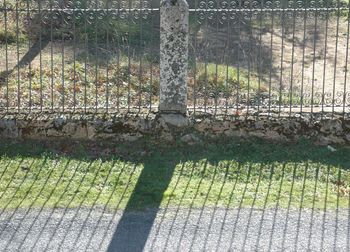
(132, 231)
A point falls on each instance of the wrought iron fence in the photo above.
(245, 56)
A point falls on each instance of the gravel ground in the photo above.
(208, 229)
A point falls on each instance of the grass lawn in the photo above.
(225, 173)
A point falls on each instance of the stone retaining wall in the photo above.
(175, 127)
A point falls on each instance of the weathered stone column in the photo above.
(173, 56)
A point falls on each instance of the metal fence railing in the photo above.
(244, 56)
(78, 55)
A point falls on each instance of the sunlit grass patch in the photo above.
(255, 174)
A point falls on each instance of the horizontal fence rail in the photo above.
(245, 57)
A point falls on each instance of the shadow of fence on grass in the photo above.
(233, 200)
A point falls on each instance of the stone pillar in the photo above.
(173, 56)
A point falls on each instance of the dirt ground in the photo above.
(319, 63)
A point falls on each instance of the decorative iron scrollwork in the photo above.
(229, 10)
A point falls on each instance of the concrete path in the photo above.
(208, 229)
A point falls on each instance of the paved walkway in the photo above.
(205, 229)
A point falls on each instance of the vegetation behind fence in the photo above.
(244, 56)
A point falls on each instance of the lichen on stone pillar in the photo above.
(173, 56)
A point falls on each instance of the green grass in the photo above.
(218, 77)
(135, 176)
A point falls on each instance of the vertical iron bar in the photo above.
(206, 59)
(239, 14)
(107, 63)
(96, 61)
(6, 58)
(346, 61)
(29, 63)
(313, 64)
(216, 91)
(17, 49)
(292, 63)
(303, 62)
(51, 55)
(227, 57)
(259, 57)
(281, 62)
(152, 61)
(86, 52)
(335, 56)
(74, 62)
(141, 51)
(271, 54)
(325, 59)
(117, 74)
(141, 55)
(62, 52)
(195, 62)
(151, 69)
(119, 82)
(40, 56)
(129, 57)
(249, 56)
